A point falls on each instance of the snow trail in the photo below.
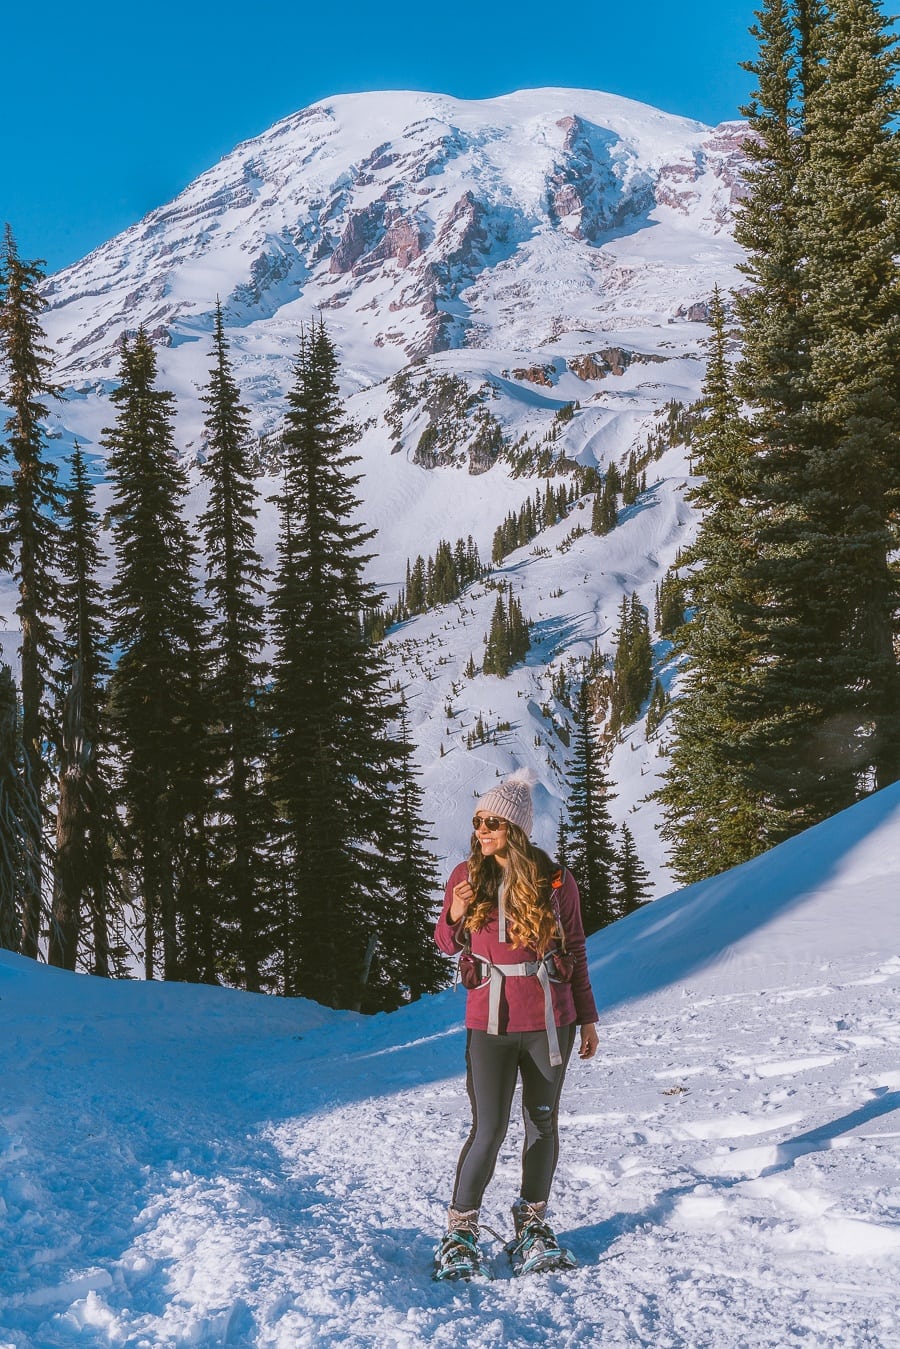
(192, 1166)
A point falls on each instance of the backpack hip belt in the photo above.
(539, 969)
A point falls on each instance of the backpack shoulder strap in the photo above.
(556, 883)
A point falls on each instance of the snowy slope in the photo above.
(191, 1166)
(572, 596)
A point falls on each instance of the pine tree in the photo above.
(445, 585)
(772, 706)
(562, 841)
(234, 588)
(670, 604)
(770, 309)
(590, 845)
(85, 876)
(496, 655)
(157, 689)
(408, 964)
(849, 221)
(714, 811)
(630, 481)
(335, 764)
(33, 534)
(633, 663)
(416, 588)
(632, 879)
(605, 514)
(819, 711)
(519, 633)
(509, 639)
(790, 699)
(657, 709)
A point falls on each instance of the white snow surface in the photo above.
(194, 1166)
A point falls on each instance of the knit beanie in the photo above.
(511, 800)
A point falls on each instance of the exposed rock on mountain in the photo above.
(424, 219)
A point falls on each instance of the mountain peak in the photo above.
(395, 205)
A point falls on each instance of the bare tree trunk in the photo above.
(31, 743)
(101, 961)
(70, 870)
(10, 811)
(66, 911)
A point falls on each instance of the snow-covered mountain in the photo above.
(182, 1165)
(418, 223)
(481, 267)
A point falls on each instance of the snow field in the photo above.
(191, 1166)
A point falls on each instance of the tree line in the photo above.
(250, 821)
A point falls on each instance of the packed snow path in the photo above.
(189, 1166)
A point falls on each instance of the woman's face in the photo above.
(492, 841)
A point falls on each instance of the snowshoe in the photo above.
(458, 1257)
(535, 1248)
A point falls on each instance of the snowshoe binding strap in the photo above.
(458, 1256)
(536, 1246)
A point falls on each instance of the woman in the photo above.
(517, 920)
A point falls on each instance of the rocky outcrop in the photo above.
(726, 154)
(360, 234)
(486, 444)
(586, 197)
(401, 243)
(723, 154)
(462, 232)
(460, 429)
(676, 184)
(536, 374)
(609, 361)
(267, 271)
(694, 313)
(380, 233)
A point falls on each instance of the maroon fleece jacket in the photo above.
(522, 1000)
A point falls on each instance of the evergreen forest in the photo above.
(789, 706)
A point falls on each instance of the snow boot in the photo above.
(458, 1256)
(535, 1247)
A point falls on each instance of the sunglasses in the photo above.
(490, 822)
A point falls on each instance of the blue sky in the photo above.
(113, 108)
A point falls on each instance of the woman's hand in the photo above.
(463, 894)
(590, 1042)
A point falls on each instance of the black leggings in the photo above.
(493, 1065)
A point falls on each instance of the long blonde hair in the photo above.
(527, 895)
